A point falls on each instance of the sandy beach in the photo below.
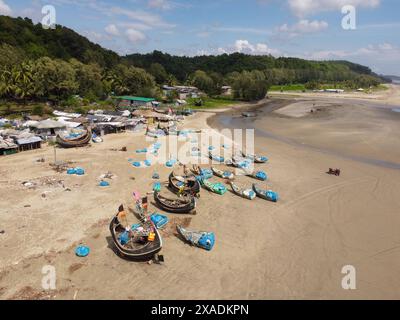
(293, 249)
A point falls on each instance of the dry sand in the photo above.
(389, 97)
(294, 249)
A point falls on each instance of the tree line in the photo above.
(38, 64)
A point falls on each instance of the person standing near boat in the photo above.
(122, 218)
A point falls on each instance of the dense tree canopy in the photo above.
(40, 64)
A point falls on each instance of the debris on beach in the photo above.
(29, 184)
(107, 175)
(157, 187)
(82, 251)
(62, 166)
(159, 220)
(104, 184)
(44, 182)
(76, 171)
(334, 172)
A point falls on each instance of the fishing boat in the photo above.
(201, 173)
(217, 188)
(223, 174)
(255, 158)
(266, 194)
(76, 142)
(216, 158)
(201, 239)
(141, 243)
(244, 193)
(183, 205)
(155, 133)
(239, 162)
(184, 184)
(259, 175)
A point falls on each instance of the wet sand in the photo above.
(294, 249)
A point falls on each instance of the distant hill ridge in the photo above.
(64, 43)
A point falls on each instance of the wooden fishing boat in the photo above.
(217, 188)
(223, 174)
(184, 184)
(184, 205)
(238, 162)
(265, 194)
(202, 173)
(258, 175)
(216, 158)
(255, 158)
(137, 247)
(244, 193)
(80, 141)
(201, 239)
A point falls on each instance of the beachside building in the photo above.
(183, 92)
(131, 102)
(48, 127)
(31, 143)
(7, 147)
(226, 90)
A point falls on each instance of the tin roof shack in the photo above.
(49, 128)
(103, 128)
(29, 143)
(7, 147)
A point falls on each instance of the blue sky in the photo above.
(310, 29)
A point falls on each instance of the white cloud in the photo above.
(135, 36)
(244, 46)
(5, 9)
(112, 30)
(382, 52)
(302, 27)
(304, 8)
(160, 4)
(147, 18)
(93, 36)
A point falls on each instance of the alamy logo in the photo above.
(349, 21)
(49, 18)
(349, 280)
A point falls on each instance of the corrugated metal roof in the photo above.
(29, 140)
(132, 98)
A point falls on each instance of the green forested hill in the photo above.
(283, 70)
(56, 64)
(62, 43)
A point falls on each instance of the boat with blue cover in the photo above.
(244, 193)
(266, 194)
(223, 174)
(201, 239)
(141, 242)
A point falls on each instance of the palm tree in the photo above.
(23, 80)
